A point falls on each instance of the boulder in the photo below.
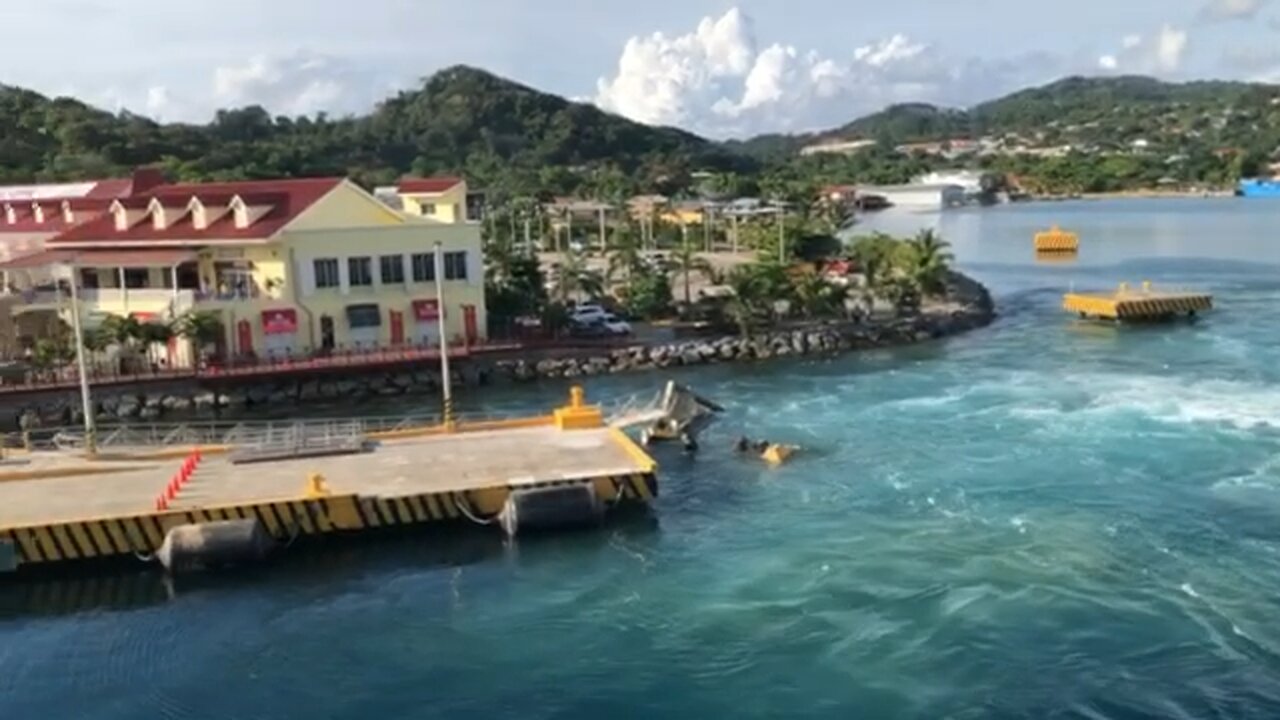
(308, 391)
(176, 402)
(128, 407)
(258, 394)
(234, 398)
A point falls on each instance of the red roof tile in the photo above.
(110, 189)
(286, 198)
(84, 207)
(428, 185)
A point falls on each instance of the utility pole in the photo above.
(444, 339)
(782, 237)
(90, 425)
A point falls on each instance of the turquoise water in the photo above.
(1040, 519)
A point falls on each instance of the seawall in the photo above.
(968, 306)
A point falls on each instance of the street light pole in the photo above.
(444, 338)
(782, 238)
(90, 427)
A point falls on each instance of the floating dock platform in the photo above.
(1142, 305)
(1056, 241)
(59, 508)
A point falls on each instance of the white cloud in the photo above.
(1162, 54)
(1231, 9)
(716, 81)
(296, 84)
(299, 84)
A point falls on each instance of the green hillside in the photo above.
(1126, 132)
(461, 120)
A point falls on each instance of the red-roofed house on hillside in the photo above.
(444, 199)
(289, 266)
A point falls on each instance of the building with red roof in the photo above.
(31, 214)
(290, 266)
(443, 198)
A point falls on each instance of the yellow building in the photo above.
(291, 267)
(443, 199)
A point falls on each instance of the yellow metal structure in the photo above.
(316, 487)
(1057, 240)
(777, 454)
(1144, 304)
(119, 536)
(578, 415)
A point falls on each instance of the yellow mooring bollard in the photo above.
(317, 486)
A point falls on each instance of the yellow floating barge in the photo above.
(1137, 305)
(60, 508)
(1056, 241)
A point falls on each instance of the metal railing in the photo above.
(298, 440)
(236, 433)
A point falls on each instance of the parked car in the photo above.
(616, 325)
(587, 313)
(588, 330)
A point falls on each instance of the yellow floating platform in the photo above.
(1137, 305)
(1056, 240)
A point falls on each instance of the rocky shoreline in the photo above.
(819, 340)
(968, 306)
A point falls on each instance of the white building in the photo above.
(841, 147)
(970, 180)
(917, 196)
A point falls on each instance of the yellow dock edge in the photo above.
(285, 519)
(1136, 307)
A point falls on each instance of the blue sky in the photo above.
(717, 67)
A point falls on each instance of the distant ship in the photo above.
(1257, 188)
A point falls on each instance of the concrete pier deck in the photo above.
(60, 507)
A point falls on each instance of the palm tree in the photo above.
(121, 330)
(833, 216)
(814, 294)
(500, 258)
(204, 328)
(933, 258)
(746, 299)
(686, 261)
(624, 256)
(575, 278)
(873, 255)
(95, 340)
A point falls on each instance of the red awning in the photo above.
(426, 310)
(279, 322)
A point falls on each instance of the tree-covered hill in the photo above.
(513, 140)
(461, 120)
